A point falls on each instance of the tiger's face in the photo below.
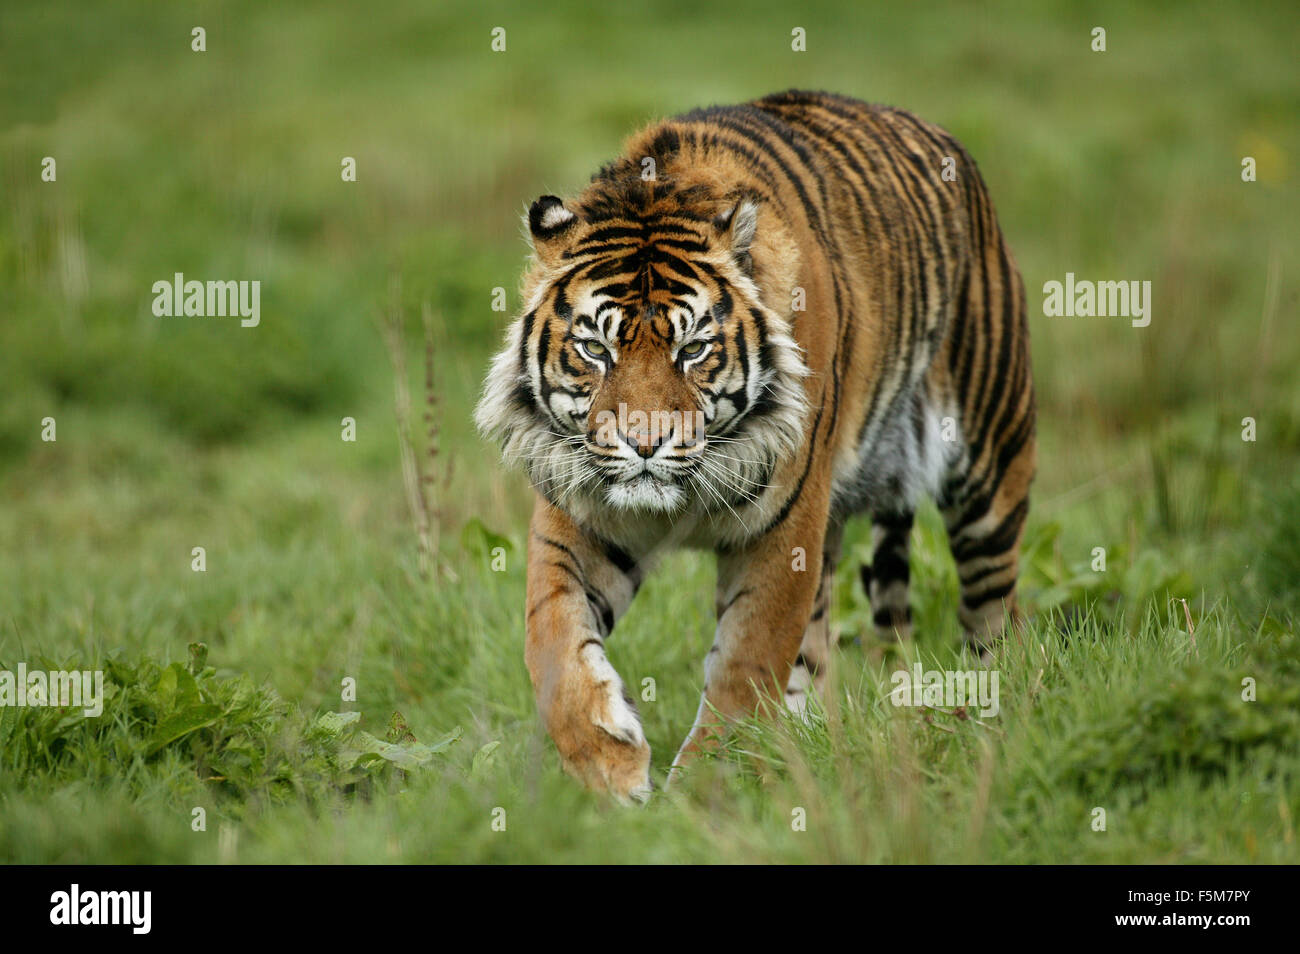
(647, 372)
(637, 380)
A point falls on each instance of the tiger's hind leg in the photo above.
(816, 652)
(985, 519)
(886, 579)
(984, 373)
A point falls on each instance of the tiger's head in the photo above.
(653, 367)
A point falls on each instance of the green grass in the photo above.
(180, 433)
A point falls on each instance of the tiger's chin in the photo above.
(645, 493)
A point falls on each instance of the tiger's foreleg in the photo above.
(575, 595)
(766, 592)
(812, 666)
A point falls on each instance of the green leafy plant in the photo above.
(236, 737)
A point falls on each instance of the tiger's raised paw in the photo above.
(598, 732)
(613, 766)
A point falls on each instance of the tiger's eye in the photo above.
(595, 348)
(692, 350)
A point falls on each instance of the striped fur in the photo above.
(763, 426)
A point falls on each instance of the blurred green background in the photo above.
(225, 164)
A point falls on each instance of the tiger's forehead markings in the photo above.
(659, 322)
(590, 308)
(609, 311)
(646, 268)
(654, 319)
(614, 310)
(641, 248)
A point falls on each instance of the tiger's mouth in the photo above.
(645, 491)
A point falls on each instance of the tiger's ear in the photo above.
(740, 223)
(548, 223)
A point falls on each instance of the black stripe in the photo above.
(973, 601)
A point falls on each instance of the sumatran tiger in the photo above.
(760, 320)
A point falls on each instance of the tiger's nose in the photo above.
(643, 442)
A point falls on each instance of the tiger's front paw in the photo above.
(606, 764)
(599, 735)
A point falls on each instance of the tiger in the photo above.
(758, 321)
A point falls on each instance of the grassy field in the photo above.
(181, 433)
